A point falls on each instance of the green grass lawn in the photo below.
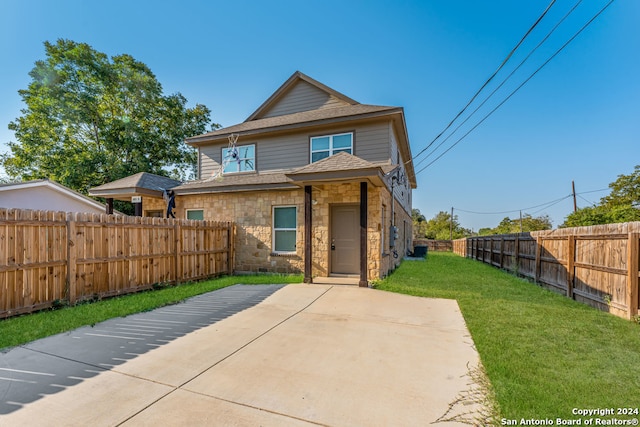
(543, 353)
(19, 330)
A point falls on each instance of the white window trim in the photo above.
(274, 229)
(223, 149)
(331, 136)
(186, 214)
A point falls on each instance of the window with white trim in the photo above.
(243, 159)
(284, 229)
(328, 145)
(195, 214)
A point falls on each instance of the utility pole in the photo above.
(521, 221)
(451, 225)
(573, 188)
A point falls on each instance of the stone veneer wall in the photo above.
(154, 204)
(346, 193)
(252, 213)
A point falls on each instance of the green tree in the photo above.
(439, 227)
(625, 190)
(419, 224)
(621, 205)
(528, 223)
(602, 214)
(90, 119)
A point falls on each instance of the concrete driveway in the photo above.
(306, 355)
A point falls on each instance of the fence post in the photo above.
(571, 255)
(516, 253)
(536, 275)
(484, 250)
(230, 247)
(71, 259)
(633, 251)
(177, 247)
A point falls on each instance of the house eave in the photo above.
(125, 194)
(197, 141)
(234, 188)
(55, 186)
(373, 175)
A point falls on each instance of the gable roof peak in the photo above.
(288, 85)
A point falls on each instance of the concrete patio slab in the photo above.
(355, 357)
(104, 400)
(195, 353)
(306, 355)
(208, 411)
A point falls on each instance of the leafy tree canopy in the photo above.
(621, 205)
(90, 119)
(416, 216)
(438, 227)
(516, 225)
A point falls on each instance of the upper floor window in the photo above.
(239, 159)
(325, 146)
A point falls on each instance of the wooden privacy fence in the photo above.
(434, 245)
(51, 257)
(597, 265)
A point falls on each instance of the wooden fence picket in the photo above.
(596, 265)
(46, 257)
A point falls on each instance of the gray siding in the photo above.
(303, 97)
(283, 152)
(210, 158)
(291, 151)
(402, 193)
(372, 142)
(393, 146)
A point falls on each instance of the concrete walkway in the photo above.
(306, 355)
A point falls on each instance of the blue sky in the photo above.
(576, 119)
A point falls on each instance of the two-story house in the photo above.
(317, 183)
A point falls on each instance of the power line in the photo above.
(519, 87)
(487, 81)
(544, 39)
(543, 206)
(517, 210)
(588, 201)
(551, 204)
(593, 191)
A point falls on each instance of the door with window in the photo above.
(345, 239)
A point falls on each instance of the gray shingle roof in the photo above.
(337, 162)
(283, 179)
(237, 182)
(144, 180)
(303, 118)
